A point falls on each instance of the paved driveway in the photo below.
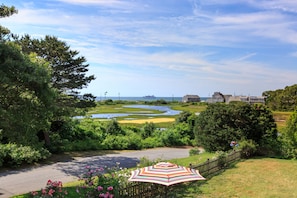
(29, 179)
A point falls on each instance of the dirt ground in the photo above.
(154, 120)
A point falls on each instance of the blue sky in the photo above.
(172, 47)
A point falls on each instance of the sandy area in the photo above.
(154, 120)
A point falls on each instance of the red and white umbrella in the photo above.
(165, 173)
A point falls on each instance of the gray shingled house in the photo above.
(191, 98)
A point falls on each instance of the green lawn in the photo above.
(265, 177)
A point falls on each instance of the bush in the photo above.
(172, 137)
(14, 155)
(248, 148)
(194, 151)
(116, 142)
(221, 156)
(83, 145)
(152, 142)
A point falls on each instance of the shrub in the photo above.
(194, 151)
(83, 145)
(115, 142)
(148, 129)
(152, 142)
(15, 155)
(221, 156)
(171, 137)
(248, 148)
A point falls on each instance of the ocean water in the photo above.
(168, 99)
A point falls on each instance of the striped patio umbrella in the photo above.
(165, 173)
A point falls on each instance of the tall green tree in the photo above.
(26, 95)
(69, 71)
(68, 77)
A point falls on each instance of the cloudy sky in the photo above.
(172, 47)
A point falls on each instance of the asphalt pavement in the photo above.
(15, 182)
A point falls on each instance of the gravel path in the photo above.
(29, 179)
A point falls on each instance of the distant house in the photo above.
(219, 97)
(247, 99)
(191, 98)
(216, 97)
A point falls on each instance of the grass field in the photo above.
(261, 178)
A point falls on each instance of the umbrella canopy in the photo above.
(165, 173)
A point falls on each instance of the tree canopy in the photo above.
(282, 99)
(6, 11)
(26, 95)
(222, 123)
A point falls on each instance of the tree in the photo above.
(282, 99)
(289, 137)
(68, 76)
(148, 130)
(5, 11)
(113, 128)
(26, 95)
(214, 128)
(222, 123)
(68, 71)
(187, 118)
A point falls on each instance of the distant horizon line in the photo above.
(144, 96)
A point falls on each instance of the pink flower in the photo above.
(34, 193)
(100, 188)
(101, 195)
(110, 188)
(43, 191)
(49, 182)
(51, 192)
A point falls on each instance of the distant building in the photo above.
(216, 97)
(219, 97)
(191, 98)
(247, 99)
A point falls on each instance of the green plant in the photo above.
(221, 157)
(248, 148)
(52, 189)
(102, 182)
(194, 151)
(15, 155)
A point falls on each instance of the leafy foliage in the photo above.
(289, 137)
(15, 155)
(282, 99)
(220, 124)
(68, 71)
(6, 11)
(148, 129)
(248, 148)
(26, 96)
